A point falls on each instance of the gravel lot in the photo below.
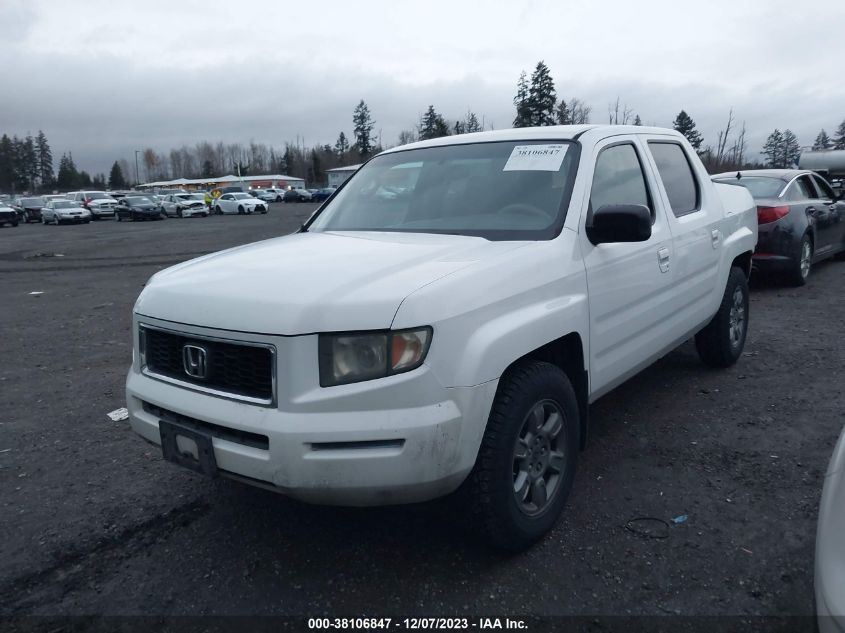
(94, 522)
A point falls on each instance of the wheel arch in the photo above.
(567, 353)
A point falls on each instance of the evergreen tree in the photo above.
(432, 125)
(459, 128)
(637, 120)
(684, 124)
(99, 181)
(44, 160)
(563, 115)
(7, 163)
(839, 139)
(791, 150)
(363, 125)
(471, 123)
(116, 178)
(822, 142)
(523, 113)
(342, 145)
(542, 96)
(84, 179)
(68, 177)
(773, 149)
(208, 168)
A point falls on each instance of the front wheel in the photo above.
(526, 462)
(721, 342)
(240, 210)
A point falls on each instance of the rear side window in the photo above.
(801, 189)
(619, 178)
(677, 176)
(824, 188)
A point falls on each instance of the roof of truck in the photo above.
(551, 132)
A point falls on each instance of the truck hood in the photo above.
(310, 282)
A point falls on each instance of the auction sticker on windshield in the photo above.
(536, 158)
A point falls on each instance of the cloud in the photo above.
(106, 78)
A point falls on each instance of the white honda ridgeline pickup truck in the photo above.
(444, 321)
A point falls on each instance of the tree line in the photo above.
(26, 164)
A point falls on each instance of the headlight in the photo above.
(354, 357)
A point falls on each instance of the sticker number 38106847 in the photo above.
(536, 158)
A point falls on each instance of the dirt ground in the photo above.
(94, 522)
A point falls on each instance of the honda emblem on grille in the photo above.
(194, 361)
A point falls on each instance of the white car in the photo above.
(99, 203)
(398, 348)
(240, 203)
(268, 195)
(64, 211)
(184, 205)
(830, 546)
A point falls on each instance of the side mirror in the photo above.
(620, 223)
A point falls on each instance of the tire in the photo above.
(721, 342)
(179, 213)
(803, 262)
(506, 521)
(43, 221)
(218, 210)
(14, 222)
(240, 210)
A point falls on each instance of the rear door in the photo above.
(835, 213)
(694, 223)
(803, 198)
(629, 283)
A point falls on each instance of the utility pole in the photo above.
(137, 179)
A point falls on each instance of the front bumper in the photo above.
(192, 211)
(102, 213)
(400, 439)
(73, 218)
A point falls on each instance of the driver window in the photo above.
(824, 188)
(619, 179)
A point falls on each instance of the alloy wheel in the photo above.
(539, 458)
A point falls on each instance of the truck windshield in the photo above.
(499, 191)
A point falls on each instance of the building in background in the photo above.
(277, 181)
(338, 175)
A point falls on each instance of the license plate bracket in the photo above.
(204, 462)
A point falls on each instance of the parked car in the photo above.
(278, 194)
(460, 342)
(137, 208)
(185, 205)
(240, 203)
(29, 209)
(99, 203)
(830, 546)
(8, 215)
(321, 195)
(267, 195)
(64, 211)
(297, 195)
(802, 220)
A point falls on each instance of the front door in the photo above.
(629, 283)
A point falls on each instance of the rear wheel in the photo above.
(801, 268)
(526, 462)
(721, 342)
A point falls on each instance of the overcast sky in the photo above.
(105, 77)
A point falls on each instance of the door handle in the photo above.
(715, 236)
(663, 259)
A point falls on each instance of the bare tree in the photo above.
(617, 117)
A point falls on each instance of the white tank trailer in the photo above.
(829, 162)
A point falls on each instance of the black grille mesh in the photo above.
(237, 369)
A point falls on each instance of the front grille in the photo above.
(237, 369)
